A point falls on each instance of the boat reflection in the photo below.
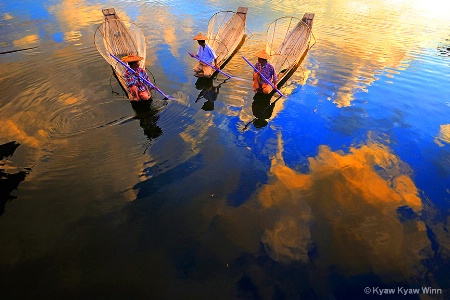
(9, 181)
(208, 91)
(147, 114)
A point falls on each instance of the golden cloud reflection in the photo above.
(27, 40)
(345, 208)
(11, 131)
(373, 38)
(75, 14)
(444, 135)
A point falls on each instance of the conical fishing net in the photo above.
(225, 32)
(119, 38)
(287, 39)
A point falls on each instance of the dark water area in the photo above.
(341, 190)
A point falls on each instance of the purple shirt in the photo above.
(267, 71)
(131, 79)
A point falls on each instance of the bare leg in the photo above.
(266, 88)
(198, 69)
(144, 95)
(207, 70)
(256, 84)
(134, 93)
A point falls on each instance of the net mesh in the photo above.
(287, 39)
(119, 38)
(225, 31)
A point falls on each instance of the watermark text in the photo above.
(402, 291)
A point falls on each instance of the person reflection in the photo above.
(147, 116)
(262, 109)
(9, 181)
(208, 91)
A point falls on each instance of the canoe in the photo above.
(288, 42)
(226, 33)
(120, 38)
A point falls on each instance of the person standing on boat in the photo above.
(206, 54)
(137, 87)
(265, 69)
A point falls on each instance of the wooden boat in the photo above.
(288, 42)
(226, 33)
(119, 38)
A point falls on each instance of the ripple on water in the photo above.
(79, 118)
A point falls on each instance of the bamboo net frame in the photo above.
(225, 32)
(287, 40)
(119, 38)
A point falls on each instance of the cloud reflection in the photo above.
(76, 14)
(346, 210)
(395, 31)
(11, 130)
(444, 135)
(27, 41)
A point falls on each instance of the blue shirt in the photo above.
(207, 54)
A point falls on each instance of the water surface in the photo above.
(345, 186)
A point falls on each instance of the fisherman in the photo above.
(265, 69)
(206, 54)
(137, 87)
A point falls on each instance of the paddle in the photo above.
(166, 97)
(217, 69)
(265, 79)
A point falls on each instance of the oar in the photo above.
(265, 79)
(166, 97)
(217, 69)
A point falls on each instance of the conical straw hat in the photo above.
(200, 37)
(131, 58)
(262, 54)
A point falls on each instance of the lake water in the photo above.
(346, 187)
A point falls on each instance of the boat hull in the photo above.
(119, 38)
